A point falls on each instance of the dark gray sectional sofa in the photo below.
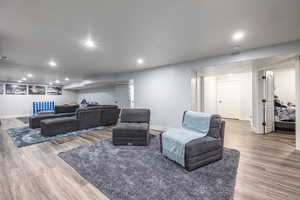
(60, 111)
(84, 118)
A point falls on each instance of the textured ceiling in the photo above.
(161, 32)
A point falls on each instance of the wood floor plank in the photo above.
(269, 167)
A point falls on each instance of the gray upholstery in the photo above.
(105, 115)
(88, 118)
(35, 120)
(66, 108)
(205, 150)
(109, 115)
(133, 128)
(55, 126)
(135, 115)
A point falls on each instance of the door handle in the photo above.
(220, 101)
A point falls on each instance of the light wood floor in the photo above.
(269, 166)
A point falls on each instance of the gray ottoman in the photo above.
(56, 126)
(133, 128)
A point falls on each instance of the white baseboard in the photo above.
(12, 116)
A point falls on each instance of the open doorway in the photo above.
(246, 90)
(226, 90)
(124, 94)
(279, 97)
(229, 95)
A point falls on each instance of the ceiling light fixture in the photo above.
(29, 75)
(140, 61)
(238, 36)
(89, 43)
(67, 79)
(19, 81)
(57, 81)
(52, 63)
(24, 79)
(50, 83)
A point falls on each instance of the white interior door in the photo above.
(269, 104)
(228, 98)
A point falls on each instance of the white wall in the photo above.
(122, 96)
(100, 95)
(284, 81)
(165, 91)
(115, 94)
(245, 93)
(21, 105)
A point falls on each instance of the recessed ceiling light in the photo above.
(50, 83)
(140, 61)
(29, 75)
(19, 81)
(239, 35)
(67, 79)
(24, 79)
(89, 43)
(57, 81)
(52, 63)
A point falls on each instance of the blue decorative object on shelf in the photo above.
(42, 106)
(84, 102)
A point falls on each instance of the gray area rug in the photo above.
(24, 136)
(142, 173)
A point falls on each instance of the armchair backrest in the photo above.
(215, 124)
(135, 115)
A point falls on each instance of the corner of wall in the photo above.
(297, 74)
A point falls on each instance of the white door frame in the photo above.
(297, 76)
(197, 92)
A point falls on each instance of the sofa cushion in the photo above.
(133, 126)
(61, 120)
(34, 121)
(88, 118)
(135, 115)
(55, 126)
